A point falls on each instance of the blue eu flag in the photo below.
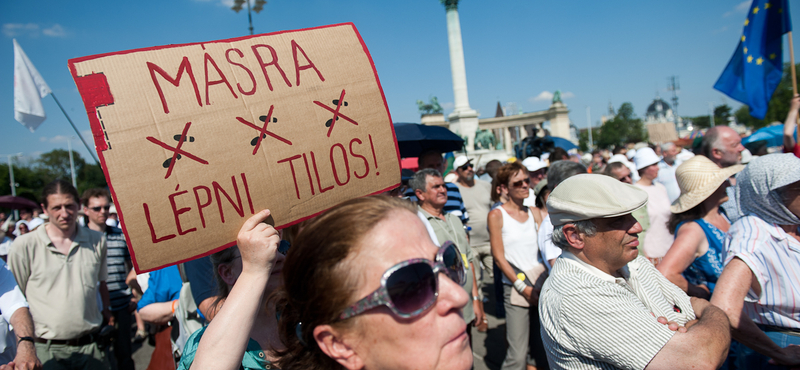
(756, 67)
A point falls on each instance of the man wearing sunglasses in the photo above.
(429, 187)
(606, 307)
(96, 205)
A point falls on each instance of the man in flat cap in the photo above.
(605, 307)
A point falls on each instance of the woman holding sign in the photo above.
(244, 332)
(366, 288)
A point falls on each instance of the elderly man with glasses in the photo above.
(429, 188)
(605, 307)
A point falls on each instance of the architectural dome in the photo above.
(659, 111)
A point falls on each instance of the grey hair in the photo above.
(420, 179)
(667, 146)
(561, 170)
(711, 141)
(586, 227)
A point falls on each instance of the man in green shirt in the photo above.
(428, 185)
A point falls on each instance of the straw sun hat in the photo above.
(698, 178)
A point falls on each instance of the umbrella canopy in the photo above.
(414, 139)
(772, 134)
(561, 143)
(14, 202)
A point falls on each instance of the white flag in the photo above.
(29, 89)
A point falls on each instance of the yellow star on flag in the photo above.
(745, 49)
(766, 6)
(772, 56)
(759, 61)
(749, 59)
(755, 10)
(742, 38)
(746, 22)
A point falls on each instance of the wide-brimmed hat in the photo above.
(645, 157)
(698, 178)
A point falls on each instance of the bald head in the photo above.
(722, 145)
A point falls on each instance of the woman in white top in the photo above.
(512, 233)
(658, 239)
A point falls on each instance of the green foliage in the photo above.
(624, 128)
(778, 105)
(49, 166)
(583, 138)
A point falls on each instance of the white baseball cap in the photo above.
(533, 164)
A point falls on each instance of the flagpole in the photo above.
(791, 57)
(91, 152)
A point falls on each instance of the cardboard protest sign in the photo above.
(196, 138)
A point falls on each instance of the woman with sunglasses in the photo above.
(366, 288)
(244, 333)
(513, 238)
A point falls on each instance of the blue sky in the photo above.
(517, 51)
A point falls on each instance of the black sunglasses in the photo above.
(464, 167)
(411, 287)
(519, 183)
(98, 208)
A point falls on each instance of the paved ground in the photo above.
(489, 348)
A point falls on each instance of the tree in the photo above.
(623, 128)
(778, 104)
(722, 114)
(583, 138)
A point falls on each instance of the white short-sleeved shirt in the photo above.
(592, 320)
(11, 299)
(774, 258)
(549, 250)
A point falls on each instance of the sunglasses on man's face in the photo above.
(411, 287)
(519, 183)
(98, 208)
(466, 166)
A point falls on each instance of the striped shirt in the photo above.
(774, 258)
(118, 255)
(454, 205)
(592, 320)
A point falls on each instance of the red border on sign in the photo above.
(96, 84)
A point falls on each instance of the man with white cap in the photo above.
(621, 158)
(536, 172)
(605, 308)
(477, 196)
(658, 239)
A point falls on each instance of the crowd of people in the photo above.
(641, 257)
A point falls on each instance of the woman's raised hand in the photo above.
(258, 243)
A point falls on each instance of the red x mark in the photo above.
(336, 113)
(177, 150)
(263, 130)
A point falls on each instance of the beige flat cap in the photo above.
(588, 196)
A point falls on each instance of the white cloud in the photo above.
(32, 30)
(19, 29)
(55, 31)
(448, 105)
(740, 8)
(543, 96)
(548, 96)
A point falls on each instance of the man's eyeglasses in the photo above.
(98, 208)
(411, 287)
(466, 166)
(519, 183)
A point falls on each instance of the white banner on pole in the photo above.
(29, 89)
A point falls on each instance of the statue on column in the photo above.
(484, 139)
(449, 4)
(557, 97)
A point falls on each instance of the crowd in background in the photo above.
(360, 286)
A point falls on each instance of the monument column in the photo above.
(463, 120)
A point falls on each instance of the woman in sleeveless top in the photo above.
(512, 232)
(694, 261)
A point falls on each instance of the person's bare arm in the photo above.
(220, 347)
(495, 222)
(791, 124)
(26, 352)
(106, 303)
(704, 345)
(477, 305)
(732, 287)
(159, 313)
(208, 307)
(681, 255)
